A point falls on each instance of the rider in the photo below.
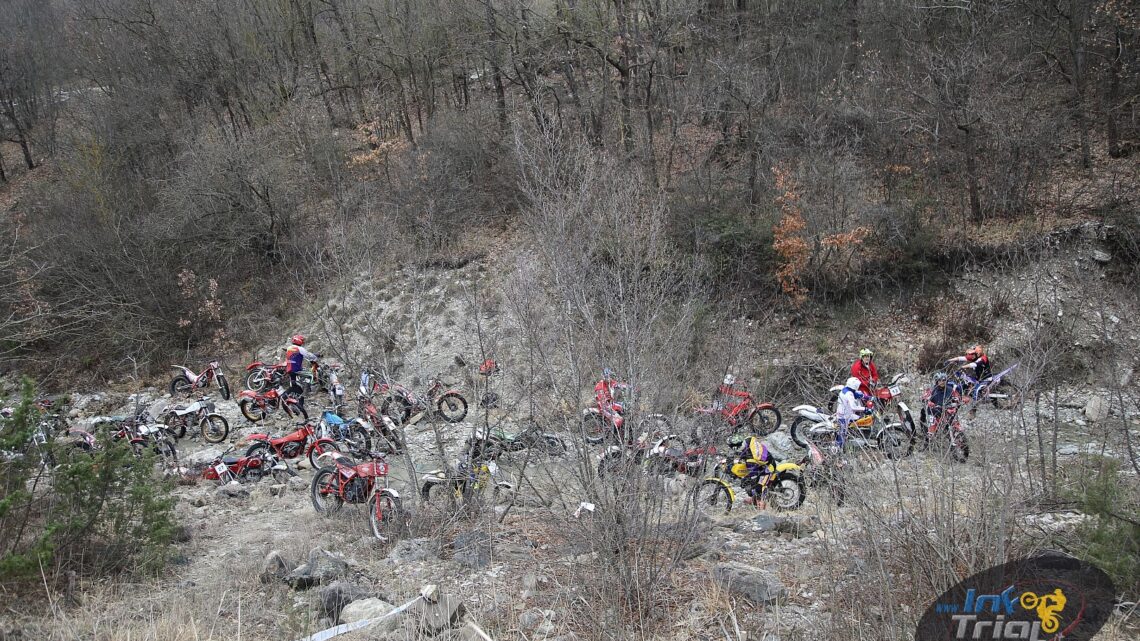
(295, 355)
(759, 460)
(728, 389)
(943, 394)
(864, 369)
(849, 407)
(975, 360)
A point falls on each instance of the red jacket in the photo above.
(866, 375)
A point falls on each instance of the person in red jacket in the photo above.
(864, 369)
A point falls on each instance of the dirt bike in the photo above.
(304, 441)
(380, 424)
(976, 391)
(815, 426)
(601, 423)
(257, 406)
(347, 481)
(471, 477)
(884, 396)
(400, 403)
(185, 383)
(742, 414)
(227, 468)
(353, 433)
(949, 428)
(781, 481)
(326, 377)
(261, 376)
(213, 426)
(656, 455)
(152, 437)
(491, 443)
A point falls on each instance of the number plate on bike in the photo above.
(895, 390)
(492, 467)
(222, 470)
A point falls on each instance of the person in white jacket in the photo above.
(849, 407)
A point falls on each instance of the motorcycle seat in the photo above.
(673, 452)
(230, 460)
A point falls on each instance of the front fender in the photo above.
(788, 466)
(389, 492)
(247, 393)
(904, 408)
(254, 365)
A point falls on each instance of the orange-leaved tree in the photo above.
(789, 242)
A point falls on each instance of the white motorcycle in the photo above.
(884, 396)
(815, 426)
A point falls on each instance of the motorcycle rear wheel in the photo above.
(252, 412)
(452, 407)
(180, 386)
(175, 426)
(552, 445)
(959, 447)
(712, 497)
(396, 408)
(257, 379)
(324, 492)
(896, 443)
(765, 421)
(594, 428)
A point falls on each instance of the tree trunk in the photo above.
(1077, 19)
(851, 62)
(3, 176)
(972, 175)
(1114, 150)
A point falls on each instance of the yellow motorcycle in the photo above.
(782, 483)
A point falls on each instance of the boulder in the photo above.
(799, 527)
(473, 549)
(233, 490)
(275, 567)
(1096, 409)
(334, 596)
(1101, 256)
(322, 568)
(203, 457)
(407, 550)
(370, 608)
(758, 586)
(432, 617)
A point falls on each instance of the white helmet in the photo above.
(853, 383)
(729, 379)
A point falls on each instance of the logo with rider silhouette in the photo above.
(1040, 598)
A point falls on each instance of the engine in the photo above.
(292, 449)
(356, 491)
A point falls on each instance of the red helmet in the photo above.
(488, 367)
(298, 339)
(974, 353)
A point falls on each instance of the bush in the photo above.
(97, 514)
(1111, 538)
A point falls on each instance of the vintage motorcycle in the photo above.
(490, 443)
(185, 383)
(742, 415)
(656, 454)
(815, 426)
(257, 406)
(948, 430)
(601, 424)
(884, 397)
(471, 477)
(347, 481)
(213, 427)
(251, 469)
(353, 433)
(304, 441)
(782, 482)
(400, 402)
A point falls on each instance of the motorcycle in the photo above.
(185, 383)
(491, 443)
(743, 414)
(657, 455)
(380, 424)
(947, 426)
(213, 426)
(400, 402)
(986, 389)
(302, 441)
(346, 481)
(600, 423)
(816, 426)
(883, 396)
(783, 481)
(256, 406)
(471, 477)
(227, 468)
(261, 376)
(325, 377)
(152, 437)
(354, 433)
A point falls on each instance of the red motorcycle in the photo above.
(242, 468)
(303, 441)
(261, 376)
(257, 406)
(947, 428)
(401, 402)
(743, 413)
(349, 482)
(185, 383)
(600, 422)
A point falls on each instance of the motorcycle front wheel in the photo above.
(896, 443)
(385, 515)
(959, 447)
(764, 421)
(396, 408)
(215, 428)
(553, 446)
(319, 449)
(712, 497)
(224, 386)
(788, 492)
(594, 428)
